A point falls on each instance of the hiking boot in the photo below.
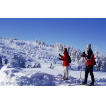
(63, 78)
(66, 79)
(91, 84)
(84, 83)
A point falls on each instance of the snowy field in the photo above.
(45, 76)
(29, 65)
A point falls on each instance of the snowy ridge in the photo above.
(31, 51)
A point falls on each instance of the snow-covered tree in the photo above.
(6, 61)
(0, 60)
(56, 46)
(60, 47)
(11, 40)
(103, 63)
(96, 53)
(98, 64)
(43, 43)
(70, 50)
(73, 54)
(36, 41)
(78, 55)
(97, 59)
(19, 61)
(39, 42)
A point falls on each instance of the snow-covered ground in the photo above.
(37, 71)
(44, 76)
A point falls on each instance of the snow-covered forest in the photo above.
(35, 63)
(32, 54)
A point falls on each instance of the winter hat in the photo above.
(89, 46)
(65, 49)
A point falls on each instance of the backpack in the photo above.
(94, 62)
(69, 58)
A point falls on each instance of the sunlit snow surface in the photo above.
(44, 77)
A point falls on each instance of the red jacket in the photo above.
(91, 60)
(65, 59)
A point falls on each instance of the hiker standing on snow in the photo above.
(89, 64)
(65, 63)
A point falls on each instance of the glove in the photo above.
(83, 55)
(59, 54)
(60, 59)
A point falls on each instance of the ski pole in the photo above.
(80, 74)
(57, 66)
(96, 82)
(81, 71)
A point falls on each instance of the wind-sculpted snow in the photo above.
(19, 77)
(22, 77)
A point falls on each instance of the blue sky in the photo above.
(76, 32)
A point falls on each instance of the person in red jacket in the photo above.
(65, 64)
(89, 64)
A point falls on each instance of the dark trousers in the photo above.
(89, 69)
